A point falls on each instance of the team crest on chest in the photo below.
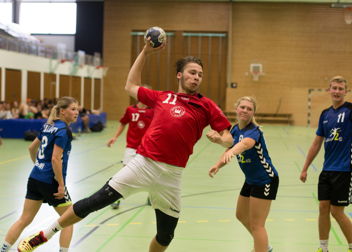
(141, 124)
(177, 111)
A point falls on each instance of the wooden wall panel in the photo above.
(49, 85)
(65, 86)
(76, 88)
(97, 92)
(13, 86)
(33, 85)
(301, 46)
(139, 16)
(87, 93)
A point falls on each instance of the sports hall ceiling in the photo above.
(340, 3)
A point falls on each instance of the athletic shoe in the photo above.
(349, 250)
(148, 202)
(32, 242)
(270, 248)
(116, 204)
(320, 250)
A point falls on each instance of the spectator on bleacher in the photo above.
(41, 114)
(15, 109)
(85, 119)
(31, 103)
(5, 112)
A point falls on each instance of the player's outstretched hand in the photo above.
(212, 171)
(303, 176)
(148, 49)
(214, 137)
(227, 157)
(60, 192)
(111, 141)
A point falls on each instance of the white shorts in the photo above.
(162, 181)
(129, 155)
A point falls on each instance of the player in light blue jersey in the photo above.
(262, 181)
(46, 184)
(334, 188)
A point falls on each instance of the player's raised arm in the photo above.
(134, 77)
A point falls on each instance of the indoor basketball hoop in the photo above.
(256, 71)
(348, 15)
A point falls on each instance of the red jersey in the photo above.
(179, 120)
(139, 121)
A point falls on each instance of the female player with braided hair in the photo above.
(262, 181)
(46, 184)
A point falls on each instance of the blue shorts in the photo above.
(38, 190)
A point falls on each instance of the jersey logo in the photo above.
(266, 165)
(267, 189)
(334, 135)
(221, 113)
(141, 124)
(177, 111)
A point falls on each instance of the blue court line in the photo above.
(285, 131)
(306, 157)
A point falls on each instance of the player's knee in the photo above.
(164, 239)
(102, 198)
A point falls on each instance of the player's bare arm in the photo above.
(213, 170)
(119, 131)
(224, 138)
(57, 168)
(33, 149)
(240, 147)
(313, 152)
(134, 77)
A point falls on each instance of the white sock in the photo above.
(62, 249)
(350, 245)
(51, 230)
(324, 245)
(6, 247)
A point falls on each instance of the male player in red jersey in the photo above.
(139, 117)
(178, 123)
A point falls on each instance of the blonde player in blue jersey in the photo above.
(46, 184)
(262, 181)
(334, 188)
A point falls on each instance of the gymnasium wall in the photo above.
(123, 17)
(301, 46)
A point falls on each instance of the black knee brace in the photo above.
(166, 226)
(102, 198)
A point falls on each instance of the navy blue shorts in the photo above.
(267, 191)
(38, 190)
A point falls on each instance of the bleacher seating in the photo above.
(15, 128)
(264, 118)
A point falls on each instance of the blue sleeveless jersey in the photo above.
(336, 128)
(255, 162)
(60, 134)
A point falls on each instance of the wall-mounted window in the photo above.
(5, 12)
(48, 18)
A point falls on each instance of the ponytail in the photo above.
(63, 103)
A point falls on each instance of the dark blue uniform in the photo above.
(42, 183)
(335, 125)
(261, 176)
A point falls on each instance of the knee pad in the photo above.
(102, 198)
(166, 226)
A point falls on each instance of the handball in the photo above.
(158, 36)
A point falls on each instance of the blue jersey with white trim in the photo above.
(336, 127)
(255, 162)
(60, 134)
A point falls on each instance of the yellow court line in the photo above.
(113, 224)
(224, 220)
(202, 221)
(289, 219)
(311, 219)
(181, 221)
(15, 159)
(135, 223)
